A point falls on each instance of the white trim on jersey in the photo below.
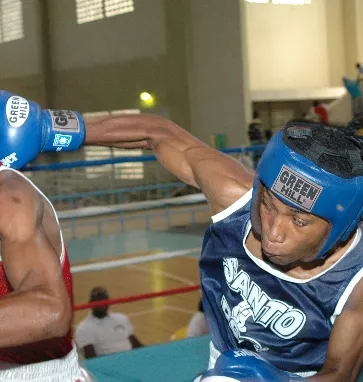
(262, 264)
(62, 255)
(344, 297)
(233, 207)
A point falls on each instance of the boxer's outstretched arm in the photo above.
(345, 351)
(222, 179)
(39, 308)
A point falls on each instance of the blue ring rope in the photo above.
(142, 158)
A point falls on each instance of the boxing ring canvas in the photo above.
(179, 361)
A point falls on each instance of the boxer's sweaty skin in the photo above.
(39, 308)
(223, 181)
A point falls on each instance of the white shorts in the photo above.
(213, 355)
(64, 369)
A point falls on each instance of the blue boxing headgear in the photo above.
(317, 169)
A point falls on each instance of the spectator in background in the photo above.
(359, 72)
(354, 89)
(255, 134)
(358, 102)
(321, 112)
(198, 324)
(268, 134)
(104, 332)
(318, 113)
(255, 130)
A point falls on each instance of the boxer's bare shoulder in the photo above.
(32, 267)
(24, 210)
(21, 207)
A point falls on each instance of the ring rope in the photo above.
(145, 296)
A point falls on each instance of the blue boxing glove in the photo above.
(26, 130)
(247, 366)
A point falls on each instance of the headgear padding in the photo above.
(317, 169)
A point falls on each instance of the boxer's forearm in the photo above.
(168, 141)
(32, 316)
(128, 131)
(331, 376)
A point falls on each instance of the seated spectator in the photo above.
(359, 68)
(268, 133)
(104, 332)
(198, 324)
(321, 112)
(255, 129)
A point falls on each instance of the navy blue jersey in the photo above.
(250, 304)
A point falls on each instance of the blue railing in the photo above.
(118, 194)
(142, 158)
(75, 225)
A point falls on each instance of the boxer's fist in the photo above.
(242, 365)
(26, 130)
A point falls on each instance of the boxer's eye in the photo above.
(266, 203)
(299, 222)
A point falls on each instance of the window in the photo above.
(132, 170)
(291, 2)
(286, 2)
(91, 10)
(11, 20)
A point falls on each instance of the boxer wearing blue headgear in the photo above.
(286, 283)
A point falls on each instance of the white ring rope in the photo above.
(137, 260)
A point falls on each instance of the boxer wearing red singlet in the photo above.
(35, 288)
